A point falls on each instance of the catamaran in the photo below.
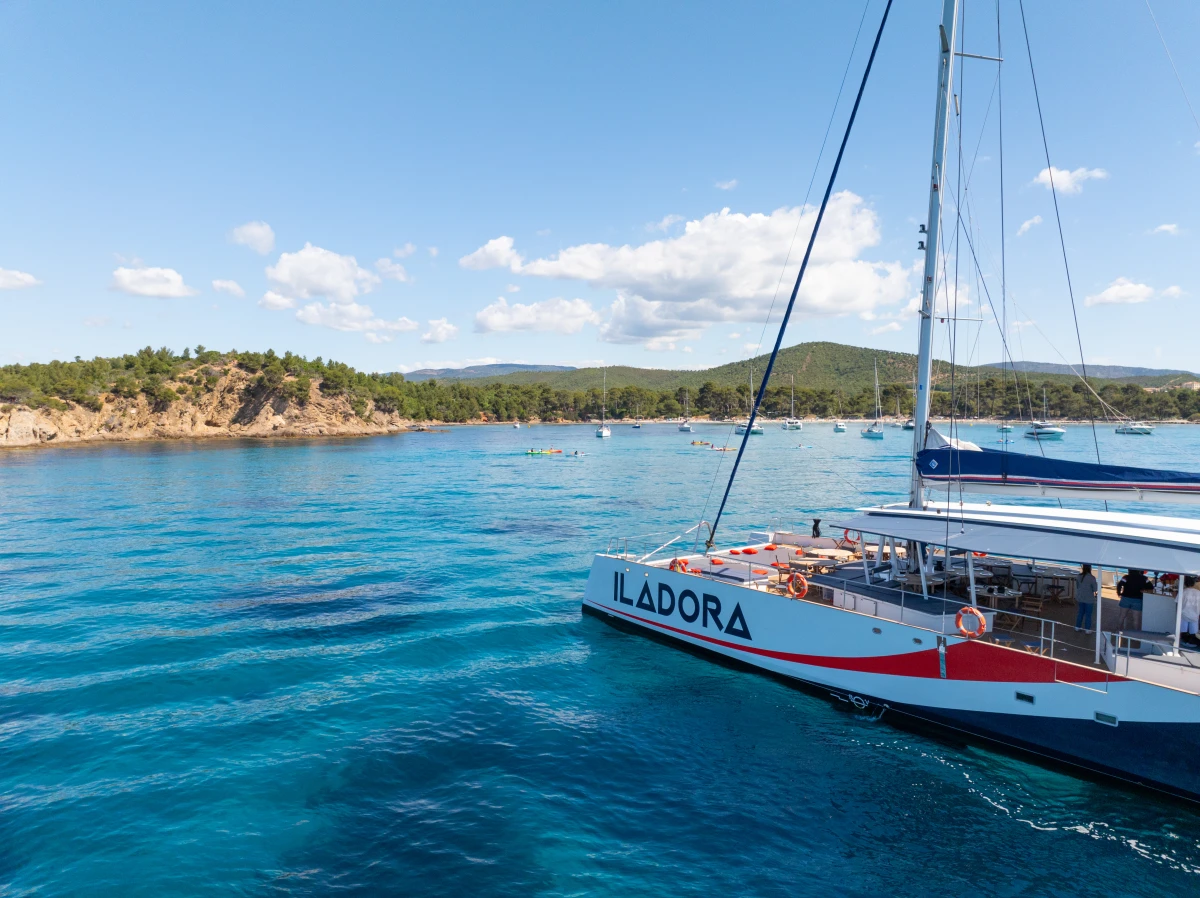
(791, 422)
(874, 431)
(604, 431)
(942, 611)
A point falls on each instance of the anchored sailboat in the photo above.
(921, 620)
(1044, 430)
(604, 431)
(685, 426)
(792, 422)
(875, 430)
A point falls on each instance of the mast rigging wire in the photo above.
(807, 193)
(1171, 60)
(1058, 220)
(799, 277)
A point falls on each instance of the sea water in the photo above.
(360, 666)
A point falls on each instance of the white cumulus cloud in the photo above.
(16, 280)
(162, 283)
(1122, 291)
(350, 316)
(232, 287)
(405, 251)
(393, 271)
(665, 223)
(726, 185)
(1173, 292)
(276, 301)
(440, 330)
(557, 315)
(257, 235)
(1029, 223)
(1069, 181)
(313, 272)
(890, 328)
(496, 253)
(1172, 229)
(724, 267)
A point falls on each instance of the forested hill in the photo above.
(830, 380)
(815, 366)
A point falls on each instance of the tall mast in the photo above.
(946, 36)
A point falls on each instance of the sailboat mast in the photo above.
(946, 37)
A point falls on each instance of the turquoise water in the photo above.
(360, 665)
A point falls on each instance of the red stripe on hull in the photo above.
(973, 661)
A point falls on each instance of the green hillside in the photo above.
(816, 366)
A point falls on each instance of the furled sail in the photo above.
(992, 471)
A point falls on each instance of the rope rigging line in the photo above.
(1058, 220)
(799, 276)
(1171, 60)
(807, 193)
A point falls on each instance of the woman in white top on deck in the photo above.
(1190, 620)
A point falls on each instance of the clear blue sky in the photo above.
(544, 182)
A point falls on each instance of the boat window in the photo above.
(1107, 719)
(1025, 697)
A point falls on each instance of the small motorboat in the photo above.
(516, 425)
(910, 424)
(839, 426)
(1004, 428)
(1044, 430)
(1139, 428)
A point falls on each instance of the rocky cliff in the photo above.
(235, 406)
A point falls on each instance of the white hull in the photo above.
(604, 431)
(1026, 700)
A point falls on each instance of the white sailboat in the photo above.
(685, 426)
(792, 422)
(874, 431)
(754, 427)
(1044, 430)
(604, 431)
(885, 634)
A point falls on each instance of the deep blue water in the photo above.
(360, 666)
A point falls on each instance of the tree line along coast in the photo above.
(159, 379)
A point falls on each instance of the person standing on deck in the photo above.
(1190, 619)
(1130, 590)
(1085, 598)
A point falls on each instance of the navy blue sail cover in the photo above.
(992, 467)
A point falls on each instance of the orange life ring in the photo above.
(679, 565)
(853, 542)
(979, 554)
(972, 610)
(797, 592)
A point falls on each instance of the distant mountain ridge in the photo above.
(1109, 372)
(472, 372)
(818, 365)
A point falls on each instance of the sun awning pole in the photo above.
(1099, 605)
(866, 569)
(1178, 612)
(971, 576)
(924, 582)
